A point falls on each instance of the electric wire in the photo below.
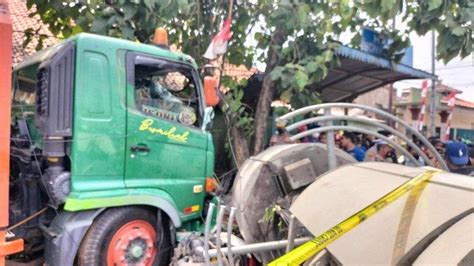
(27, 219)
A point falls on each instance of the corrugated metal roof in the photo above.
(382, 62)
(361, 72)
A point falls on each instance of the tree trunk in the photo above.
(266, 94)
(239, 145)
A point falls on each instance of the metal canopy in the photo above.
(361, 72)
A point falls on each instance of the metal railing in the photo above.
(230, 251)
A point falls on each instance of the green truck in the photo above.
(110, 150)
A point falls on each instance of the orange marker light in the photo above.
(161, 37)
(211, 184)
(191, 209)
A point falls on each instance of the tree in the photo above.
(296, 39)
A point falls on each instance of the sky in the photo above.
(458, 73)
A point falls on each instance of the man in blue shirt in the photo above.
(348, 141)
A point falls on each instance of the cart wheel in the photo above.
(126, 236)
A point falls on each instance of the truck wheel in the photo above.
(126, 236)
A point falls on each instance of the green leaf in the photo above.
(269, 214)
(276, 73)
(388, 5)
(311, 67)
(150, 4)
(286, 96)
(184, 6)
(76, 29)
(99, 26)
(458, 31)
(239, 95)
(325, 71)
(346, 11)
(129, 11)
(29, 3)
(128, 33)
(433, 4)
(303, 13)
(328, 54)
(301, 79)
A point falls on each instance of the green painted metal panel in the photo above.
(98, 147)
(106, 124)
(210, 157)
(123, 197)
(115, 44)
(175, 166)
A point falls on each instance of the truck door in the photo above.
(166, 147)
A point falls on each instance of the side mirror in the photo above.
(210, 91)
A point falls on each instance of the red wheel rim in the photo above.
(132, 244)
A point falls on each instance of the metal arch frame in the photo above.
(356, 129)
(366, 121)
(327, 107)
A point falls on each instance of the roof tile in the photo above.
(20, 22)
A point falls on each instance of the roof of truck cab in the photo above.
(112, 43)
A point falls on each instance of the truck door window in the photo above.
(25, 86)
(168, 92)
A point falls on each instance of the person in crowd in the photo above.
(313, 137)
(379, 152)
(348, 141)
(457, 158)
(337, 140)
(306, 139)
(431, 156)
(415, 154)
(438, 145)
(367, 141)
(281, 135)
(322, 138)
(471, 156)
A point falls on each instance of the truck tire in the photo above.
(126, 236)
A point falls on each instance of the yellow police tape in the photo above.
(302, 253)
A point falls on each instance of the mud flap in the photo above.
(64, 236)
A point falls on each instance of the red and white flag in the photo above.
(424, 90)
(218, 44)
(451, 102)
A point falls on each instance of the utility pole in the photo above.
(432, 129)
(390, 90)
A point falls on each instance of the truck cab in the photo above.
(109, 132)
